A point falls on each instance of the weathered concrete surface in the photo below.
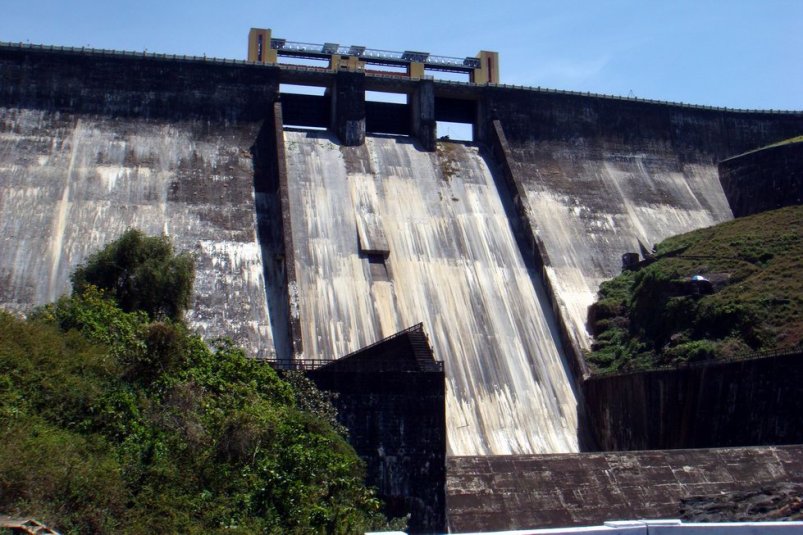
(603, 177)
(92, 142)
(741, 403)
(95, 141)
(591, 204)
(766, 503)
(541, 491)
(127, 84)
(764, 179)
(453, 264)
(70, 183)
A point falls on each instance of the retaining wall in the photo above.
(741, 403)
(764, 179)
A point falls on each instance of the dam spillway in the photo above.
(453, 263)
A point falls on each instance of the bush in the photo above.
(693, 351)
(141, 273)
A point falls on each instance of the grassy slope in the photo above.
(649, 317)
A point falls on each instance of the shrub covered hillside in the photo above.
(751, 298)
(116, 419)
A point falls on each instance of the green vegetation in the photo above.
(116, 419)
(141, 273)
(653, 316)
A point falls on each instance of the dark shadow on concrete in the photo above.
(270, 235)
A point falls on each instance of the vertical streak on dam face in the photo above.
(590, 204)
(70, 183)
(453, 263)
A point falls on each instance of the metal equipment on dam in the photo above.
(265, 49)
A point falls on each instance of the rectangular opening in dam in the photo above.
(390, 70)
(455, 131)
(304, 62)
(302, 89)
(387, 113)
(381, 96)
(448, 76)
(305, 106)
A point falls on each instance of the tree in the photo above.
(142, 273)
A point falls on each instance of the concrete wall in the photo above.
(764, 179)
(135, 85)
(92, 144)
(739, 403)
(669, 527)
(544, 491)
(596, 177)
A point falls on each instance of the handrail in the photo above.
(344, 362)
(283, 46)
(342, 365)
(417, 327)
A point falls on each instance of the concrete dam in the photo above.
(312, 244)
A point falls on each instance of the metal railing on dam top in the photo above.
(373, 55)
(100, 52)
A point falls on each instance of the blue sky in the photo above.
(736, 53)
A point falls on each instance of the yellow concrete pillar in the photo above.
(488, 72)
(259, 50)
(415, 70)
(355, 65)
(346, 63)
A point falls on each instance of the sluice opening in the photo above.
(305, 106)
(450, 131)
